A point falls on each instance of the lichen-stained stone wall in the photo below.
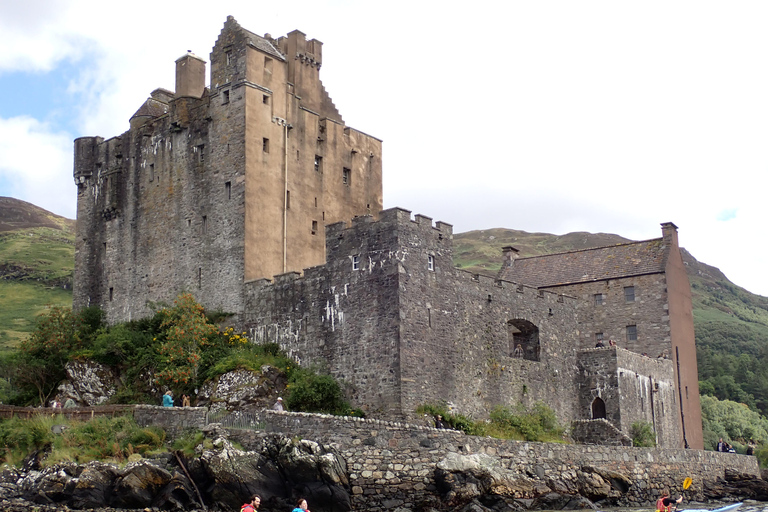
(160, 211)
(390, 316)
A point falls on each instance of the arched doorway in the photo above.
(598, 408)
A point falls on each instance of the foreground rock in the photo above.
(220, 479)
(280, 468)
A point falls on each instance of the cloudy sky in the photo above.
(544, 115)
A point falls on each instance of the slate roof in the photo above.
(611, 262)
(151, 108)
(264, 45)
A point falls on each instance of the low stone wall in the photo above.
(174, 420)
(392, 464)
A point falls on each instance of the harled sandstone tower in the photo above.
(212, 187)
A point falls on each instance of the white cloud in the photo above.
(37, 163)
(543, 116)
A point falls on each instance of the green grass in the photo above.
(42, 253)
(106, 439)
(20, 304)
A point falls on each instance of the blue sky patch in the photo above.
(726, 215)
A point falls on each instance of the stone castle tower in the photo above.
(212, 187)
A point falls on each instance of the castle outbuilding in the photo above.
(254, 195)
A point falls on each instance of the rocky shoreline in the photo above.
(220, 477)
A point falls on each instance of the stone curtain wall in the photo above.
(393, 463)
(377, 315)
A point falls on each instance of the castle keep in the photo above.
(255, 196)
(215, 186)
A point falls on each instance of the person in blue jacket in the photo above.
(301, 506)
(167, 399)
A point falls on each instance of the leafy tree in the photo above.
(185, 330)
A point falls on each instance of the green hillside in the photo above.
(37, 253)
(731, 323)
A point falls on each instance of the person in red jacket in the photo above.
(253, 505)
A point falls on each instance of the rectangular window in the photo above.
(225, 97)
(314, 227)
(355, 262)
(205, 224)
(631, 333)
(199, 277)
(228, 189)
(287, 199)
(151, 172)
(598, 337)
(345, 176)
(267, 65)
(265, 145)
(318, 163)
(229, 58)
(598, 299)
(431, 263)
(629, 294)
(265, 99)
(201, 154)
(111, 293)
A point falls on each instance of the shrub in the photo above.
(642, 434)
(310, 392)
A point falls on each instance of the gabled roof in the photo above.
(151, 108)
(611, 262)
(263, 44)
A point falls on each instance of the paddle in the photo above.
(687, 483)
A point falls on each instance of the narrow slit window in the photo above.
(265, 145)
(205, 224)
(225, 97)
(355, 262)
(318, 163)
(314, 227)
(346, 175)
(151, 172)
(431, 262)
(111, 293)
(287, 199)
(201, 154)
(228, 189)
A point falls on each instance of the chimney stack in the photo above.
(510, 255)
(190, 76)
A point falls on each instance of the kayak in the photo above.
(721, 509)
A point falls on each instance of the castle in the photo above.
(241, 192)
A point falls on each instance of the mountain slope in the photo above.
(37, 252)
